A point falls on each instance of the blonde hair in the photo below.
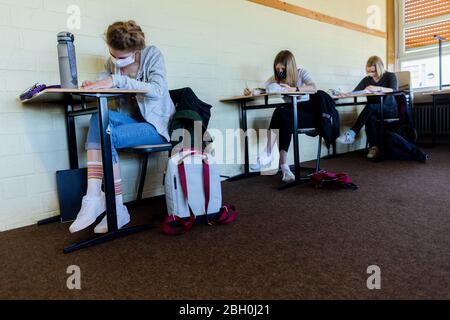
(378, 63)
(287, 59)
(125, 36)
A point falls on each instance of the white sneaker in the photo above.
(263, 161)
(348, 137)
(123, 218)
(91, 209)
(288, 176)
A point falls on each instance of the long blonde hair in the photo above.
(287, 59)
(378, 63)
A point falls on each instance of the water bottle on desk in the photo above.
(67, 61)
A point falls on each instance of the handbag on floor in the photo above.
(194, 193)
(324, 178)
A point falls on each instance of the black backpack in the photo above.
(398, 148)
(328, 118)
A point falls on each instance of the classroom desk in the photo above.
(356, 102)
(439, 96)
(244, 107)
(70, 98)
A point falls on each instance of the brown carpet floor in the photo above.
(301, 243)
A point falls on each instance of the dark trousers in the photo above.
(370, 117)
(283, 120)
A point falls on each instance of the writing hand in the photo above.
(374, 89)
(247, 92)
(102, 84)
(288, 88)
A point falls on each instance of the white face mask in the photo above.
(122, 63)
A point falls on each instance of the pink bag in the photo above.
(323, 178)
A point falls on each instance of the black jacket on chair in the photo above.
(328, 120)
(189, 109)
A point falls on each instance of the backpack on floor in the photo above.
(194, 193)
(397, 147)
(324, 178)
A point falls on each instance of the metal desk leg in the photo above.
(246, 147)
(244, 126)
(434, 121)
(108, 176)
(298, 179)
(381, 135)
(296, 146)
(71, 135)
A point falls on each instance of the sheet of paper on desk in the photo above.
(358, 93)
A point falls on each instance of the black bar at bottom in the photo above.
(106, 238)
(49, 221)
(244, 176)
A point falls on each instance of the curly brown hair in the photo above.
(125, 36)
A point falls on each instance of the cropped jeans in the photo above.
(126, 132)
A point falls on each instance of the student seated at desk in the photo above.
(377, 81)
(140, 120)
(287, 78)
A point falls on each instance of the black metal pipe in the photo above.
(108, 170)
(296, 140)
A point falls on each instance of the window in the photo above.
(419, 22)
(425, 72)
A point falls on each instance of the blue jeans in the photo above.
(126, 132)
(370, 116)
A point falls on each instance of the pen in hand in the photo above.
(247, 91)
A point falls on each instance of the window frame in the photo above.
(417, 53)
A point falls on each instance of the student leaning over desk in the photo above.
(378, 80)
(287, 78)
(140, 120)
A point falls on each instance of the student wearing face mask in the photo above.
(287, 78)
(378, 80)
(139, 120)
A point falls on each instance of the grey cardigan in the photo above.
(156, 106)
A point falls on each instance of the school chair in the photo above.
(145, 152)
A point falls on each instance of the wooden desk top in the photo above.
(240, 98)
(57, 95)
(437, 92)
(364, 95)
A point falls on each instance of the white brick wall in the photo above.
(213, 46)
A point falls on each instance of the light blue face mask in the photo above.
(122, 63)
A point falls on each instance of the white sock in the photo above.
(95, 179)
(119, 194)
(285, 168)
(265, 158)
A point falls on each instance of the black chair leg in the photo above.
(142, 178)
(319, 155)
